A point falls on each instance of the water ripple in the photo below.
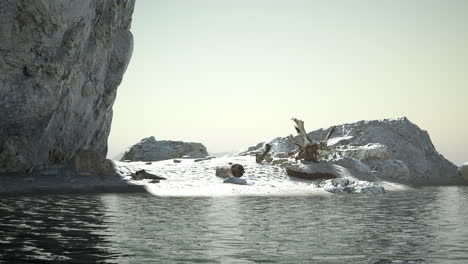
(425, 225)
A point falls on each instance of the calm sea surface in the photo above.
(428, 225)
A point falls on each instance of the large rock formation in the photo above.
(60, 65)
(148, 149)
(390, 149)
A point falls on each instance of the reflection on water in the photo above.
(59, 228)
(418, 226)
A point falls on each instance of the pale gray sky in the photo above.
(231, 74)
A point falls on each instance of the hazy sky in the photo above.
(232, 73)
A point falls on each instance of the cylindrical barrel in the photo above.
(230, 170)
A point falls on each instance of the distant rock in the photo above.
(148, 149)
(389, 149)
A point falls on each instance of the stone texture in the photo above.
(390, 170)
(148, 149)
(92, 164)
(60, 65)
(463, 171)
(398, 140)
(368, 152)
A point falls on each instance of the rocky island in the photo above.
(391, 149)
(61, 63)
(148, 149)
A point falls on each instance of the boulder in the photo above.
(60, 65)
(342, 185)
(235, 180)
(148, 149)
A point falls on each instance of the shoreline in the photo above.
(58, 184)
(184, 178)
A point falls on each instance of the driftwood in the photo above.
(310, 176)
(308, 150)
(259, 157)
(142, 174)
(230, 170)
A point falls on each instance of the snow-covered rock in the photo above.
(60, 65)
(148, 149)
(352, 163)
(235, 180)
(371, 151)
(390, 169)
(339, 141)
(388, 139)
(341, 185)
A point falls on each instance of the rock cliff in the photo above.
(390, 149)
(148, 149)
(60, 65)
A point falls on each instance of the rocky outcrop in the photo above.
(60, 65)
(390, 149)
(92, 164)
(463, 171)
(148, 149)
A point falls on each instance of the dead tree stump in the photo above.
(308, 150)
(259, 157)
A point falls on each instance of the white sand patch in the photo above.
(190, 178)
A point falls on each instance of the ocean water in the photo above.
(426, 225)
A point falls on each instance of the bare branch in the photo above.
(301, 131)
(259, 157)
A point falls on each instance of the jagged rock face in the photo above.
(148, 149)
(394, 149)
(60, 65)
